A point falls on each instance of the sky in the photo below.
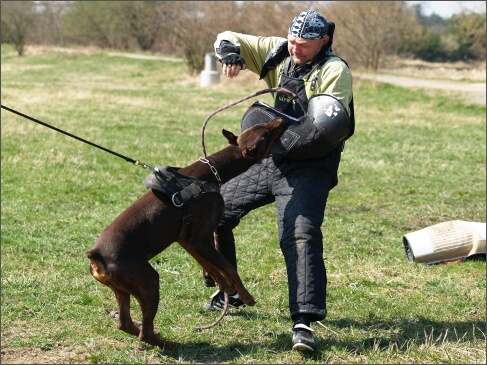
(446, 9)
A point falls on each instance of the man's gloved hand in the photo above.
(230, 54)
(233, 59)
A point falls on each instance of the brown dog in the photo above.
(120, 256)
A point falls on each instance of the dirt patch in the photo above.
(32, 355)
(456, 71)
(474, 92)
(463, 79)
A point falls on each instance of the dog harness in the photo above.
(178, 187)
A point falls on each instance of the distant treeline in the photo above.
(367, 32)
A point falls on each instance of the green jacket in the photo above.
(334, 77)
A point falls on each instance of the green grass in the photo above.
(416, 159)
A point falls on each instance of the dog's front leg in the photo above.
(215, 264)
(219, 277)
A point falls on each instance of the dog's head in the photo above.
(256, 142)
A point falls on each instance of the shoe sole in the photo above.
(302, 347)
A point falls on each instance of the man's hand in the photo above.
(232, 70)
(232, 62)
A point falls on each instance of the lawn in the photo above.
(416, 159)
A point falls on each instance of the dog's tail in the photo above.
(98, 267)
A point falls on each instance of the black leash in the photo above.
(144, 165)
(128, 159)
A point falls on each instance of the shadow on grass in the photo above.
(422, 331)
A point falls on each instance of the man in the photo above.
(304, 163)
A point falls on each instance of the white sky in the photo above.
(446, 9)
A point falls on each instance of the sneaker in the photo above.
(303, 338)
(217, 301)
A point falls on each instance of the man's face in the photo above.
(304, 50)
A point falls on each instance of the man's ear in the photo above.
(232, 138)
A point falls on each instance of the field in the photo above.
(418, 158)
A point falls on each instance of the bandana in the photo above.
(309, 24)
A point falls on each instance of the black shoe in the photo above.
(303, 338)
(217, 301)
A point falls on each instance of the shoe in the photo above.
(217, 301)
(303, 338)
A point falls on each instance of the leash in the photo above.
(128, 159)
(144, 165)
(264, 91)
(202, 159)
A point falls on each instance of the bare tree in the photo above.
(99, 23)
(268, 18)
(17, 22)
(366, 31)
(195, 25)
(145, 21)
(49, 25)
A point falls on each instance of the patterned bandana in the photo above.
(309, 24)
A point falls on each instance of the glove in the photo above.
(230, 54)
(232, 59)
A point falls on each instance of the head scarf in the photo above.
(309, 24)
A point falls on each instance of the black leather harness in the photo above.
(180, 189)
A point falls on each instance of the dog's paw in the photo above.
(249, 300)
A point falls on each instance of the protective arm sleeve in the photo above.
(304, 140)
(313, 135)
(328, 122)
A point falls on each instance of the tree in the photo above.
(17, 22)
(461, 37)
(98, 23)
(48, 27)
(469, 30)
(369, 30)
(195, 26)
(145, 20)
(268, 18)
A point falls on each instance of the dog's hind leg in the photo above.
(125, 322)
(145, 288)
(143, 284)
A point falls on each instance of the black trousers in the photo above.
(300, 189)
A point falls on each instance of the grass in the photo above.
(416, 159)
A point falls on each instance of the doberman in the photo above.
(121, 254)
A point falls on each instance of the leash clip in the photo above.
(144, 165)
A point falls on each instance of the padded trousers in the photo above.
(300, 189)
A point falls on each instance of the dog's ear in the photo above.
(232, 138)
